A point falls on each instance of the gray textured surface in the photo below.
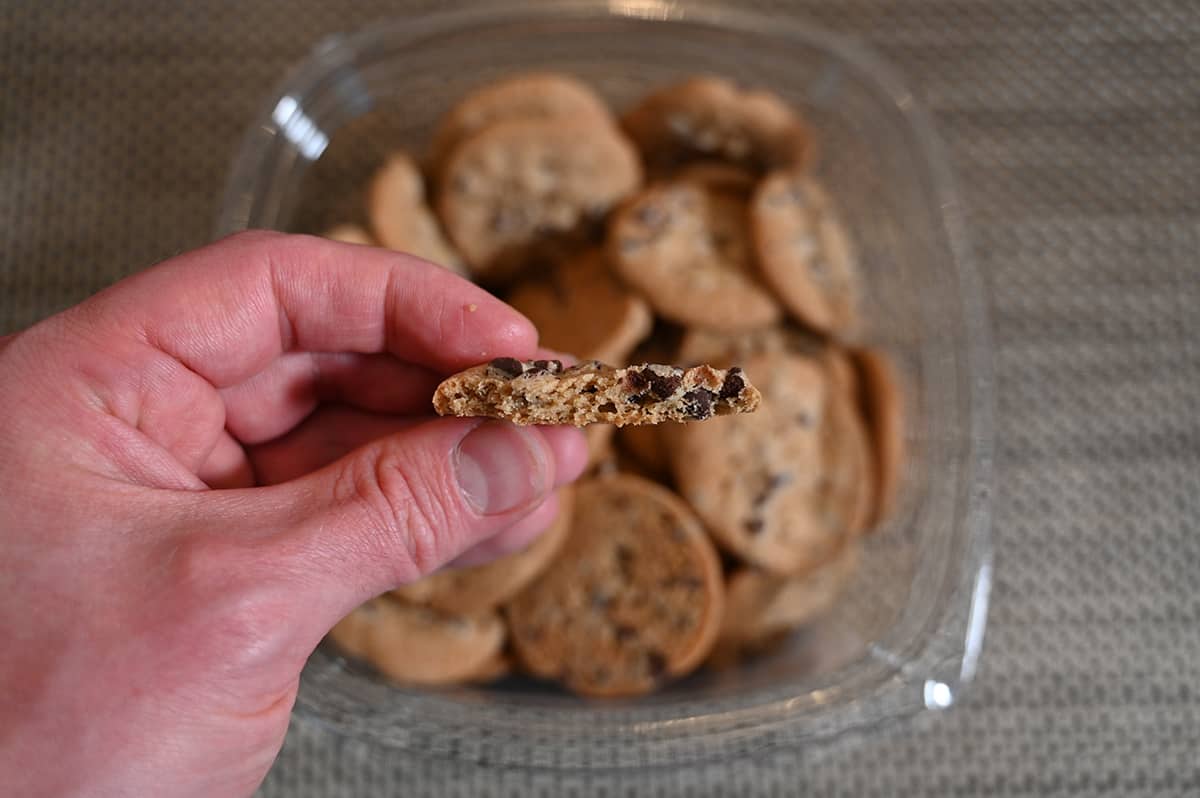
(1075, 131)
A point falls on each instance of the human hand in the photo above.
(179, 528)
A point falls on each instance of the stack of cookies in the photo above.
(743, 440)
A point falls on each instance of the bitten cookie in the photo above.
(518, 182)
(711, 117)
(400, 218)
(419, 645)
(756, 479)
(583, 309)
(484, 587)
(633, 598)
(544, 392)
(759, 605)
(687, 250)
(805, 253)
(532, 95)
(883, 405)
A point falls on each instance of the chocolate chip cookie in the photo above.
(756, 479)
(805, 253)
(759, 605)
(632, 600)
(546, 392)
(883, 405)
(518, 184)
(710, 117)
(419, 645)
(687, 250)
(400, 218)
(350, 234)
(580, 307)
(484, 587)
(532, 95)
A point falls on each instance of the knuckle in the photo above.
(409, 515)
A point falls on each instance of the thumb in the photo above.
(401, 506)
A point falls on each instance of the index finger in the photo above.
(227, 310)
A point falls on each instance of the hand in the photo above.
(179, 528)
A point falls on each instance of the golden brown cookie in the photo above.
(647, 446)
(710, 117)
(546, 392)
(687, 250)
(756, 480)
(419, 645)
(484, 587)
(883, 405)
(519, 183)
(805, 252)
(531, 95)
(759, 605)
(350, 234)
(400, 218)
(581, 308)
(633, 598)
(720, 176)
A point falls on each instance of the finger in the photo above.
(229, 309)
(570, 452)
(227, 465)
(327, 435)
(276, 399)
(403, 506)
(516, 538)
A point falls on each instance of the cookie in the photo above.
(687, 250)
(483, 587)
(583, 309)
(805, 253)
(419, 645)
(883, 406)
(846, 493)
(759, 605)
(533, 95)
(518, 184)
(546, 392)
(495, 669)
(646, 445)
(701, 345)
(756, 479)
(709, 117)
(632, 600)
(720, 176)
(350, 234)
(400, 218)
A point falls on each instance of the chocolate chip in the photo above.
(656, 663)
(733, 385)
(650, 215)
(508, 366)
(589, 389)
(545, 367)
(698, 403)
(625, 561)
(754, 526)
(630, 244)
(637, 381)
(599, 600)
(803, 419)
(662, 385)
(624, 633)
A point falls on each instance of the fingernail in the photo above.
(502, 467)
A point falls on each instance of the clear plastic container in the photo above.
(907, 636)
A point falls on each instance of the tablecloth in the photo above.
(1074, 128)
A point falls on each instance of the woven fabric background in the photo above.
(1074, 127)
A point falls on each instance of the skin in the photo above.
(203, 468)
